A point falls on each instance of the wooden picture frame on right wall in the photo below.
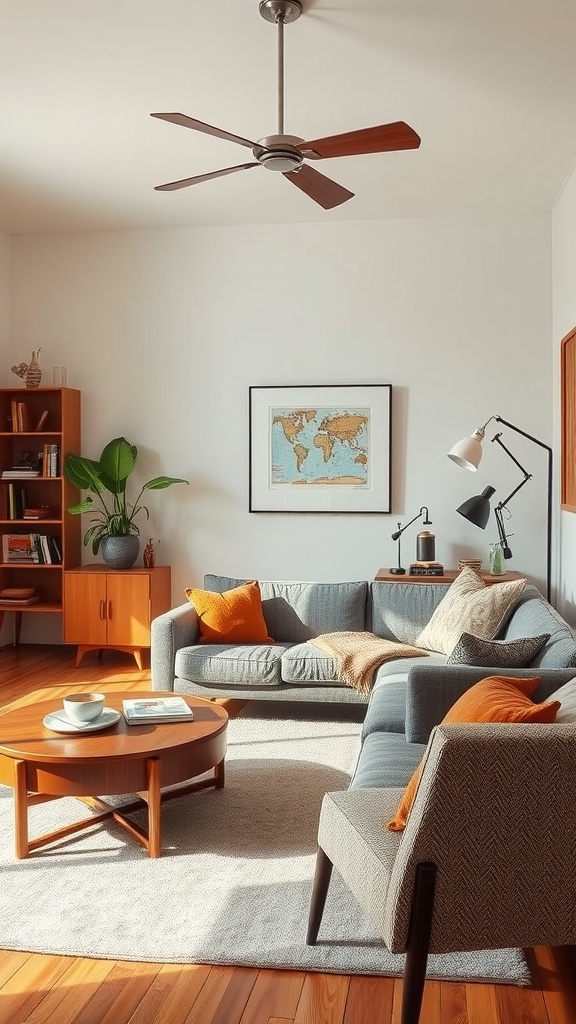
(568, 421)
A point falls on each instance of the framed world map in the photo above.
(320, 448)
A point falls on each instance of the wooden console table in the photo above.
(385, 576)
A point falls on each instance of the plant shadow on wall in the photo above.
(113, 528)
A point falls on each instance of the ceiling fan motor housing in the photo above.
(278, 153)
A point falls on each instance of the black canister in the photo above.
(425, 546)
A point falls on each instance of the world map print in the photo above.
(319, 446)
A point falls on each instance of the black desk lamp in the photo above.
(467, 453)
(398, 570)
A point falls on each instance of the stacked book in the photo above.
(19, 595)
(426, 569)
(19, 474)
(31, 548)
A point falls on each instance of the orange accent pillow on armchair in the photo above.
(494, 699)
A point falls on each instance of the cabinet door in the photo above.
(85, 608)
(128, 609)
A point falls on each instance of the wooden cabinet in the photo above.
(37, 426)
(107, 608)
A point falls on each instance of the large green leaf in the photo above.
(159, 482)
(84, 473)
(118, 459)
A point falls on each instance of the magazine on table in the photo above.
(155, 710)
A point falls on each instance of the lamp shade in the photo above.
(477, 509)
(467, 453)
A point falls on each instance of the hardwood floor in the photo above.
(43, 989)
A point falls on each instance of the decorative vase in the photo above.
(497, 567)
(149, 555)
(120, 552)
(33, 374)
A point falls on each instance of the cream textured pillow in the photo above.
(567, 697)
(470, 606)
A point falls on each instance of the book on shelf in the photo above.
(50, 460)
(20, 417)
(19, 547)
(31, 548)
(19, 600)
(43, 512)
(19, 474)
(12, 501)
(42, 421)
(155, 710)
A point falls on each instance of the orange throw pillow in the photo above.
(232, 617)
(494, 699)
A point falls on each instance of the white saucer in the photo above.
(58, 721)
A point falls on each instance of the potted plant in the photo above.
(114, 530)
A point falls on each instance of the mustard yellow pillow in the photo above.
(232, 617)
(494, 699)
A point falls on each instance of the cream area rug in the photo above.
(234, 880)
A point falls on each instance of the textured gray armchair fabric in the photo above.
(488, 856)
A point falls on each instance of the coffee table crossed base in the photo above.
(141, 759)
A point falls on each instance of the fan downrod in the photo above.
(285, 11)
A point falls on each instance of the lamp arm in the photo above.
(427, 520)
(523, 432)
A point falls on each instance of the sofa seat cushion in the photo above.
(305, 665)
(533, 615)
(386, 761)
(295, 612)
(235, 664)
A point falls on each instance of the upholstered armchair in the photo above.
(488, 856)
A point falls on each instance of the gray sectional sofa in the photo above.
(293, 669)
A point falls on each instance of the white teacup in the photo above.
(83, 707)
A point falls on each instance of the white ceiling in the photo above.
(489, 85)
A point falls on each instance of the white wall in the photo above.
(164, 331)
(564, 321)
(4, 298)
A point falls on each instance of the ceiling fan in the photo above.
(286, 153)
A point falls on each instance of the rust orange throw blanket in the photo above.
(358, 655)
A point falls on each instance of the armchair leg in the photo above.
(322, 877)
(418, 943)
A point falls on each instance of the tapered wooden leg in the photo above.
(418, 943)
(219, 775)
(154, 808)
(21, 847)
(322, 877)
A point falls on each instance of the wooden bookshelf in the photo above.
(21, 412)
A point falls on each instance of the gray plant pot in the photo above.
(120, 552)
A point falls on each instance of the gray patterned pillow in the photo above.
(473, 650)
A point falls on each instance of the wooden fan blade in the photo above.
(322, 190)
(171, 186)
(384, 138)
(200, 126)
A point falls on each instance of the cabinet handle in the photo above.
(102, 610)
(109, 609)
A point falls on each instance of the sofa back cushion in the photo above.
(533, 615)
(399, 611)
(295, 612)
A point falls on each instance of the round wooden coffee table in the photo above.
(42, 765)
